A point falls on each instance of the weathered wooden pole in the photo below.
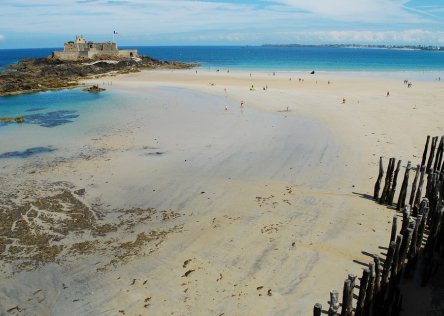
(362, 291)
(404, 248)
(439, 153)
(394, 276)
(432, 180)
(394, 229)
(419, 191)
(393, 188)
(377, 273)
(317, 309)
(347, 298)
(378, 180)
(352, 277)
(431, 256)
(404, 185)
(414, 184)
(405, 219)
(425, 213)
(388, 263)
(396, 258)
(334, 303)
(386, 186)
(370, 289)
(424, 154)
(387, 182)
(412, 252)
(432, 154)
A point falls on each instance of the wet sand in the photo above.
(194, 205)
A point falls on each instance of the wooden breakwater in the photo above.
(418, 248)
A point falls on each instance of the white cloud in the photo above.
(156, 22)
(2, 37)
(370, 11)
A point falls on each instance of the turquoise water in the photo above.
(55, 120)
(302, 58)
(50, 109)
(277, 58)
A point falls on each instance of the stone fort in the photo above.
(80, 49)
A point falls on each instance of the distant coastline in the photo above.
(395, 47)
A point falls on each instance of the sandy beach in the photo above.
(210, 193)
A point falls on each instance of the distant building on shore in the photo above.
(80, 48)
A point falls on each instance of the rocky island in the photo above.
(79, 60)
(42, 74)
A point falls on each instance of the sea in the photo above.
(277, 58)
(67, 111)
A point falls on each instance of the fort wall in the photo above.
(80, 48)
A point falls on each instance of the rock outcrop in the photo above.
(42, 74)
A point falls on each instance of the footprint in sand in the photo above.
(185, 263)
(188, 273)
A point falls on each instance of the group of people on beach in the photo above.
(408, 83)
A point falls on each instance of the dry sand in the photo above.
(218, 209)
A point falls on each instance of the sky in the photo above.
(50, 23)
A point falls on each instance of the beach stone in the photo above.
(80, 192)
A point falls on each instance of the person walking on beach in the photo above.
(343, 100)
(388, 93)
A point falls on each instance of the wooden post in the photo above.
(405, 219)
(346, 297)
(413, 244)
(317, 309)
(378, 181)
(422, 226)
(352, 278)
(386, 183)
(404, 185)
(377, 273)
(362, 292)
(432, 154)
(415, 183)
(394, 277)
(395, 180)
(370, 289)
(394, 229)
(404, 248)
(388, 263)
(419, 192)
(424, 154)
(412, 253)
(334, 303)
(439, 153)
(396, 256)
(431, 183)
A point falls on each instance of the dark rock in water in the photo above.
(27, 153)
(80, 192)
(94, 89)
(52, 119)
(312, 73)
(157, 153)
(12, 119)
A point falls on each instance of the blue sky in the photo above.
(49, 23)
